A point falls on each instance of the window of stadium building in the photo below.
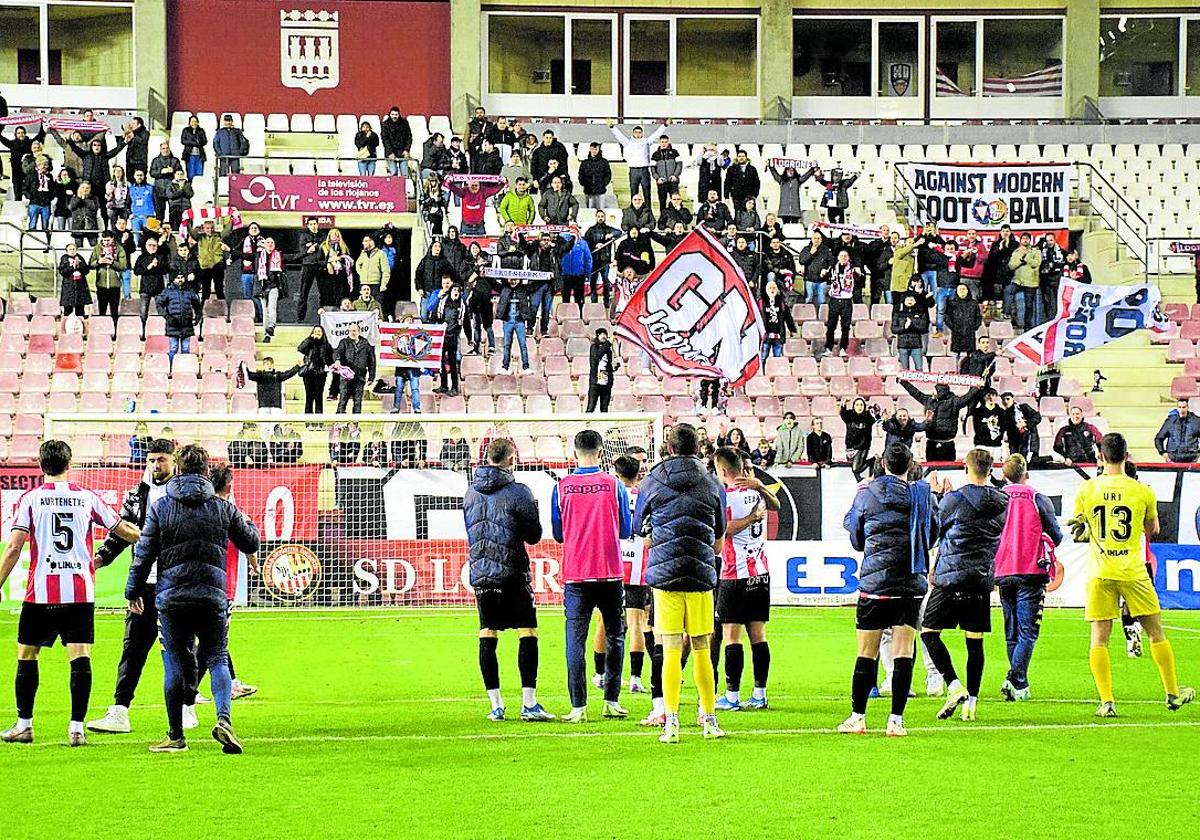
(857, 66)
(551, 63)
(1014, 61)
(49, 50)
(1139, 56)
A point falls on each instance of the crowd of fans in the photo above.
(125, 228)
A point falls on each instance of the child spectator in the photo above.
(859, 423)
(269, 384)
(601, 369)
(819, 445)
(763, 456)
(74, 294)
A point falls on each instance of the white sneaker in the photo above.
(853, 726)
(885, 688)
(241, 689)
(896, 729)
(201, 700)
(711, 730)
(189, 717)
(575, 716)
(115, 720)
(670, 733)
(935, 686)
(635, 686)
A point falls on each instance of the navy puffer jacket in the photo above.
(187, 532)
(971, 518)
(502, 517)
(684, 508)
(878, 523)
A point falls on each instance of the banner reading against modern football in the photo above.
(695, 315)
(337, 326)
(411, 345)
(1090, 316)
(985, 196)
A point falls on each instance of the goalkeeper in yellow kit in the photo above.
(1116, 515)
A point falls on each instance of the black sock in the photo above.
(974, 666)
(760, 655)
(489, 667)
(27, 686)
(656, 663)
(1126, 619)
(714, 651)
(687, 651)
(902, 671)
(527, 662)
(735, 663)
(863, 682)
(636, 660)
(81, 687)
(939, 656)
(598, 662)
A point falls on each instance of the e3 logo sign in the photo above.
(821, 575)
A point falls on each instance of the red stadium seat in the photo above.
(510, 404)
(539, 404)
(157, 344)
(1180, 350)
(623, 403)
(787, 386)
(1182, 388)
(569, 404)
(814, 386)
(41, 343)
(61, 403)
(653, 404)
(759, 386)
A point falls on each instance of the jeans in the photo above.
(814, 293)
(270, 309)
(428, 305)
(38, 213)
(194, 165)
(911, 358)
(930, 278)
(579, 599)
(481, 325)
(1022, 604)
(941, 296)
(542, 298)
(351, 389)
(772, 347)
(126, 284)
(517, 328)
(639, 179)
(144, 309)
(366, 167)
(1009, 297)
(469, 229)
(136, 225)
(177, 345)
(184, 628)
(1025, 300)
(248, 294)
(397, 167)
(411, 376)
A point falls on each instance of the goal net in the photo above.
(353, 511)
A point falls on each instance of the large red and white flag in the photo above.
(411, 345)
(695, 315)
(1090, 316)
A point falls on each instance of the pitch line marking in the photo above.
(647, 734)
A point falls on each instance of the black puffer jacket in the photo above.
(502, 518)
(945, 406)
(971, 519)
(187, 534)
(878, 523)
(910, 325)
(685, 511)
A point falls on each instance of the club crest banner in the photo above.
(695, 315)
(1090, 316)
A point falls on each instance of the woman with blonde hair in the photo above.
(335, 283)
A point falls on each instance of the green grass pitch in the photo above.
(371, 724)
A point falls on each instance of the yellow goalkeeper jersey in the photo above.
(1115, 508)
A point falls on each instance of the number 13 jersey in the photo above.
(1115, 507)
(744, 555)
(58, 516)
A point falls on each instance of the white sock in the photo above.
(954, 686)
(75, 727)
(660, 706)
(759, 693)
(494, 698)
(898, 720)
(24, 723)
(528, 697)
(578, 709)
(856, 717)
(190, 709)
(733, 696)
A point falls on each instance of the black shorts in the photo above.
(42, 624)
(883, 613)
(506, 607)
(637, 597)
(949, 609)
(744, 600)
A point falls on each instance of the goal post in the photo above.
(354, 510)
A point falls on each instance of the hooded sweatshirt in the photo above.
(971, 519)
(683, 508)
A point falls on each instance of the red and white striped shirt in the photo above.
(58, 516)
(634, 550)
(744, 556)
